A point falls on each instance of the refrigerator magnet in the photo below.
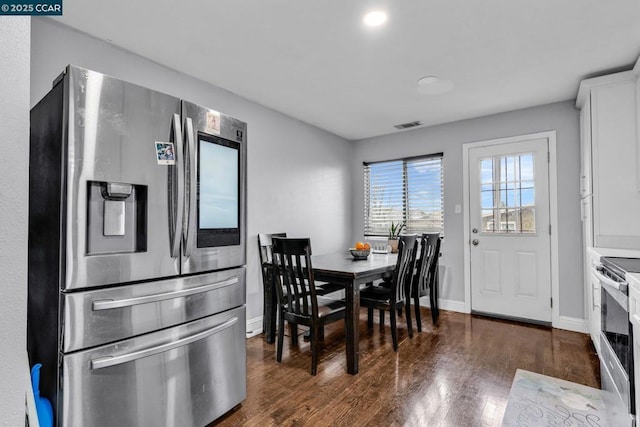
(165, 153)
(213, 123)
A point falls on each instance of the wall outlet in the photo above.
(458, 209)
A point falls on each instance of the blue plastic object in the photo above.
(43, 406)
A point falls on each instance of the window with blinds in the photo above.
(405, 190)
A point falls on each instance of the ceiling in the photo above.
(317, 62)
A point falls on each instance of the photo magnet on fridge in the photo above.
(213, 123)
(165, 153)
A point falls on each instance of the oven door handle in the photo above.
(619, 286)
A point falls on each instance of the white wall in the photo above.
(448, 138)
(298, 175)
(14, 135)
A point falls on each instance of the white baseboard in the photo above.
(254, 326)
(572, 324)
(445, 304)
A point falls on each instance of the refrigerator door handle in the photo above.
(109, 304)
(190, 219)
(107, 361)
(177, 193)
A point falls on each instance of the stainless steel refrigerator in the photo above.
(137, 247)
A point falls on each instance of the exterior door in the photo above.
(510, 230)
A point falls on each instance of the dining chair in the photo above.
(265, 252)
(426, 277)
(298, 299)
(392, 296)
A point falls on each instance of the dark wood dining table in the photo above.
(340, 268)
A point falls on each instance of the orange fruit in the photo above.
(367, 246)
(359, 246)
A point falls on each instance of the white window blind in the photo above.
(406, 190)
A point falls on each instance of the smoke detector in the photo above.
(434, 85)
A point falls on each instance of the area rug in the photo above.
(539, 400)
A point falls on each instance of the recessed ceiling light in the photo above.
(433, 85)
(375, 18)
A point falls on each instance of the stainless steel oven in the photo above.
(616, 341)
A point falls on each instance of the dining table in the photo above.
(342, 269)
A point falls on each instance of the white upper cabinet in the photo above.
(610, 158)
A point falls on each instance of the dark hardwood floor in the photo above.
(456, 374)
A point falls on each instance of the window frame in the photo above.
(368, 231)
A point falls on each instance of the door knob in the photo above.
(475, 242)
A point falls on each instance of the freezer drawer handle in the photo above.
(109, 304)
(105, 362)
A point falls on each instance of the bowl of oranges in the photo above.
(360, 251)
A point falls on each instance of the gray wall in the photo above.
(14, 134)
(298, 175)
(448, 138)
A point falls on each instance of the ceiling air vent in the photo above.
(408, 125)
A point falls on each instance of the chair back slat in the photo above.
(411, 269)
(294, 279)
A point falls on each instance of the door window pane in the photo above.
(507, 194)
(528, 197)
(488, 220)
(511, 171)
(526, 167)
(528, 219)
(487, 199)
(486, 171)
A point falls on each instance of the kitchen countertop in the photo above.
(624, 253)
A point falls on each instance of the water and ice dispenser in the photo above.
(117, 218)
